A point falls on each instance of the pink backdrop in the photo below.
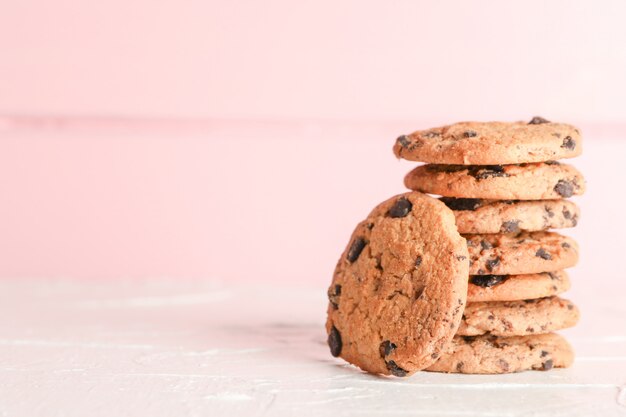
(243, 140)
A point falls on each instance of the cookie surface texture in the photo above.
(499, 355)
(509, 216)
(518, 318)
(520, 253)
(399, 288)
(488, 143)
(535, 181)
(516, 287)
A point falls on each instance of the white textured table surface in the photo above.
(199, 348)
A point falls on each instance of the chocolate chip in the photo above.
(574, 220)
(461, 204)
(544, 353)
(570, 306)
(491, 317)
(552, 275)
(459, 366)
(549, 211)
(395, 369)
(469, 134)
(492, 263)
(565, 245)
(487, 281)
(564, 188)
(468, 339)
(510, 226)
(461, 257)
(333, 296)
(543, 254)
(552, 163)
(547, 365)
(566, 213)
(486, 171)
(538, 120)
(355, 249)
(403, 141)
(418, 261)
(568, 143)
(530, 329)
(430, 134)
(334, 342)
(386, 348)
(401, 208)
(504, 365)
(485, 245)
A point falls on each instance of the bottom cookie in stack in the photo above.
(489, 354)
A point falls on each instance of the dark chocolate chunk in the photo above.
(510, 226)
(485, 245)
(481, 172)
(492, 263)
(547, 365)
(566, 213)
(544, 353)
(459, 366)
(538, 120)
(461, 204)
(403, 141)
(565, 245)
(355, 249)
(568, 143)
(386, 348)
(334, 342)
(418, 261)
(395, 369)
(468, 339)
(564, 188)
(333, 295)
(487, 281)
(504, 365)
(401, 208)
(469, 134)
(543, 254)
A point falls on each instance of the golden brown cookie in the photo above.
(500, 355)
(516, 287)
(493, 216)
(520, 253)
(487, 143)
(536, 181)
(399, 288)
(518, 318)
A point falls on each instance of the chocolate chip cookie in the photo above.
(487, 143)
(508, 216)
(499, 355)
(516, 287)
(532, 181)
(399, 288)
(520, 253)
(518, 318)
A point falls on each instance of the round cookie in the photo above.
(399, 289)
(535, 181)
(516, 287)
(518, 318)
(487, 143)
(520, 253)
(493, 216)
(500, 355)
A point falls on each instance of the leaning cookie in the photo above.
(536, 181)
(493, 216)
(518, 318)
(487, 143)
(520, 253)
(516, 287)
(399, 288)
(499, 355)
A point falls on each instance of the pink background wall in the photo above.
(243, 140)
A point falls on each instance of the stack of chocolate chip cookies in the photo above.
(401, 300)
(506, 190)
